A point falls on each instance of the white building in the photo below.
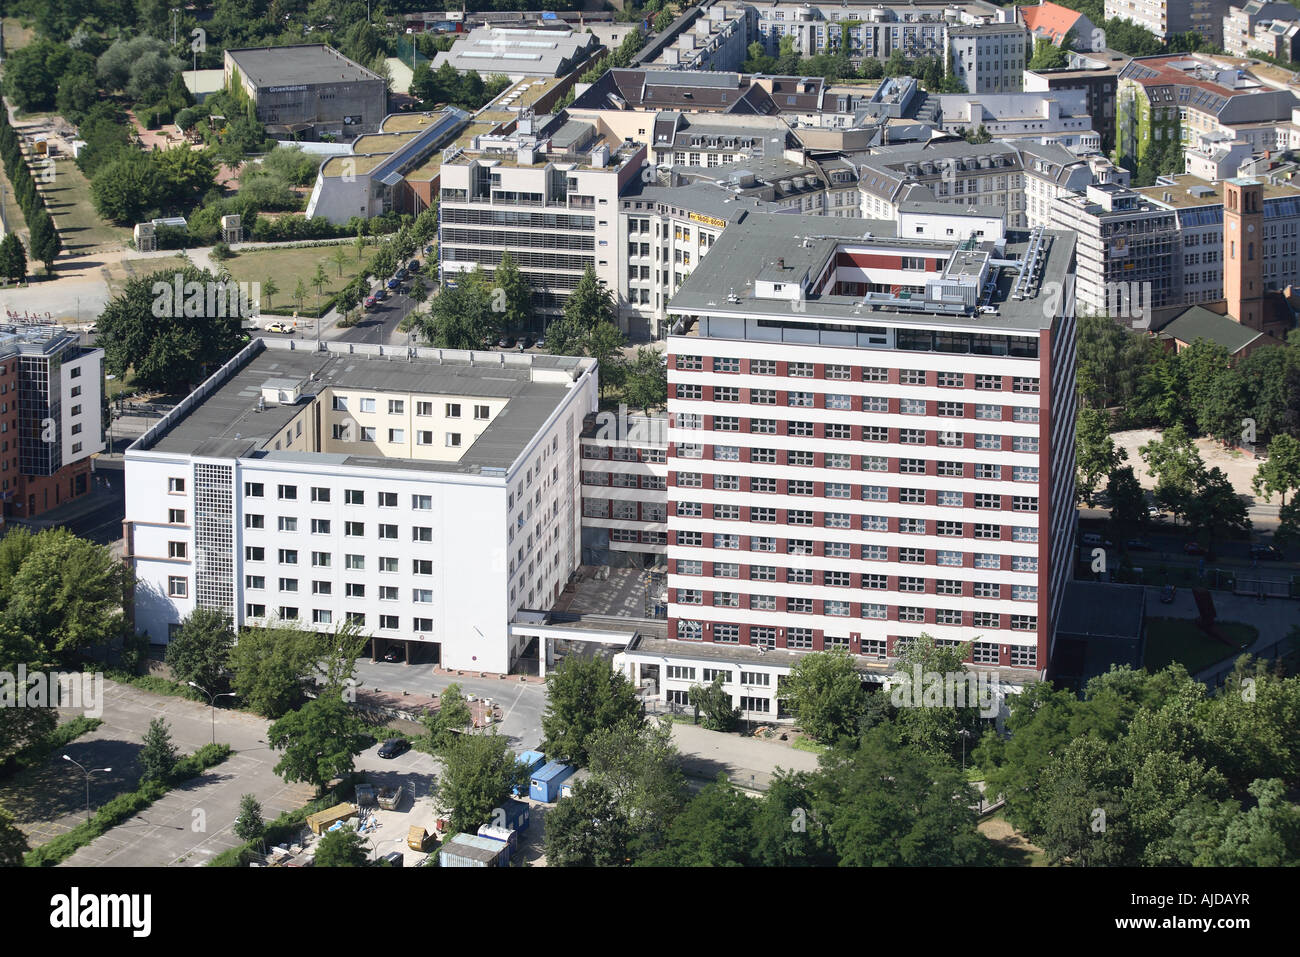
(430, 496)
(990, 57)
(1059, 117)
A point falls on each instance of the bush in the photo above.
(286, 827)
(222, 251)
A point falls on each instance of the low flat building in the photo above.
(308, 91)
(519, 52)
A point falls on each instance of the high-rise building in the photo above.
(870, 437)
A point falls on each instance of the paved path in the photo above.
(747, 762)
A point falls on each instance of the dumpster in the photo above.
(470, 850)
(417, 838)
(545, 784)
(322, 820)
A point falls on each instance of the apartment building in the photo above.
(717, 39)
(51, 417)
(1166, 18)
(427, 496)
(1273, 28)
(624, 489)
(870, 437)
(1055, 24)
(1059, 117)
(990, 57)
(546, 192)
(1097, 75)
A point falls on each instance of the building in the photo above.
(870, 437)
(51, 400)
(1261, 25)
(1060, 117)
(346, 483)
(1167, 18)
(1102, 625)
(549, 192)
(1055, 23)
(308, 91)
(717, 39)
(990, 57)
(1097, 75)
(1214, 156)
(624, 489)
(383, 171)
(519, 52)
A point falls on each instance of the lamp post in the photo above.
(375, 847)
(964, 734)
(88, 773)
(212, 703)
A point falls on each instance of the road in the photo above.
(379, 325)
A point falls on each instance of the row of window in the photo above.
(868, 463)
(876, 553)
(842, 579)
(451, 410)
(876, 523)
(624, 480)
(351, 496)
(346, 432)
(621, 453)
(849, 373)
(848, 609)
(989, 442)
(843, 402)
(351, 589)
(324, 616)
(289, 556)
(686, 673)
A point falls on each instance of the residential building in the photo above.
(1097, 75)
(990, 57)
(1055, 23)
(1059, 117)
(427, 496)
(717, 38)
(1262, 25)
(51, 417)
(1167, 18)
(870, 437)
(307, 91)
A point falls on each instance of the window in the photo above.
(354, 562)
(911, 406)
(453, 440)
(800, 400)
(422, 533)
(482, 412)
(254, 521)
(288, 493)
(176, 486)
(340, 403)
(911, 376)
(909, 436)
(728, 365)
(288, 584)
(1024, 384)
(951, 380)
(422, 566)
(354, 529)
(368, 405)
(762, 396)
(253, 489)
(989, 383)
(177, 586)
(320, 526)
(319, 494)
(354, 496)
(321, 559)
(288, 556)
(1024, 443)
(177, 549)
(254, 611)
(252, 553)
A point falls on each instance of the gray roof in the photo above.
(805, 243)
(704, 197)
(1200, 323)
(226, 423)
(1102, 610)
(303, 64)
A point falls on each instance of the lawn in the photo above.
(1178, 639)
(13, 213)
(17, 36)
(81, 228)
(1009, 845)
(288, 265)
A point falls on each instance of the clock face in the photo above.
(1250, 228)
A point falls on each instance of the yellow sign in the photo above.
(707, 220)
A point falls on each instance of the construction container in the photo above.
(545, 784)
(321, 820)
(470, 850)
(566, 789)
(516, 814)
(394, 859)
(532, 760)
(505, 835)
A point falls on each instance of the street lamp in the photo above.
(88, 773)
(375, 847)
(212, 703)
(964, 734)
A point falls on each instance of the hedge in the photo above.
(125, 806)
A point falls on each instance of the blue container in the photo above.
(470, 850)
(545, 785)
(532, 760)
(516, 815)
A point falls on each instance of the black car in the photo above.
(506, 342)
(1138, 545)
(393, 655)
(1268, 553)
(525, 342)
(413, 265)
(393, 747)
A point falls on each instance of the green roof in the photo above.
(1200, 323)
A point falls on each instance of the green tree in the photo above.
(461, 318)
(271, 667)
(824, 692)
(637, 762)
(128, 188)
(1215, 509)
(184, 175)
(200, 649)
(249, 826)
(589, 828)
(1048, 56)
(1095, 452)
(605, 344)
(419, 291)
(590, 303)
(584, 695)
(479, 772)
(13, 842)
(714, 830)
(1288, 528)
(1177, 465)
(1280, 473)
(341, 848)
(453, 716)
(1128, 506)
(646, 380)
(340, 258)
(318, 742)
(786, 833)
(158, 757)
(714, 704)
(924, 723)
(512, 294)
(13, 259)
(44, 239)
(300, 292)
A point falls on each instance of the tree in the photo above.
(32, 74)
(1128, 506)
(461, 318)
(1215, 509)
(924, 724)
(70, 592)
(589, 828)
(1272, 374)
(249, 826)
(13, 842)
(44, 239)
(1280, 473)
(184, 175)
(300, 292)
(639, 765)
(1048, 56)
(200, 648)
(319, 742)
(714, 703)
(584, 695)
(13, 258)
(169, 344)
(1176, 464)
(605, 344)
(1095, 452)
(341, 848)
(590, 303)
(340, 258)
(271, 667)
(786, 832)
(1288, 529)
(419, 291)
(479, 772)
(824, 692)
(714, 830)
(270, 287)
(511, 290)
(453, 715)
(646, 380)
(319, 279)
(158, 757)
(127, 188)
(1225, 834)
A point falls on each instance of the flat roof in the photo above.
(1102, 610)
(307, 63)
(805, 243)
(226, 423)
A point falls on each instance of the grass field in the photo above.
(81, 228)
(1010, 845)
(1178, 639)
(287, 266)
(12, 211)
(17, 36)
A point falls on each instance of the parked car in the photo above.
(403, 274)
(1093, 539)
(1167, 595)
(393, 655)
(1138, 545)
(394, 283)
(428, 250)
(381, 294)
(540, 343)
(525, 342)
(393, 747)
(1155, 511)
(371, 302)
(1194, 548)
(1268, 553)
(278, 327)
(506, 342)
(413, 265)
